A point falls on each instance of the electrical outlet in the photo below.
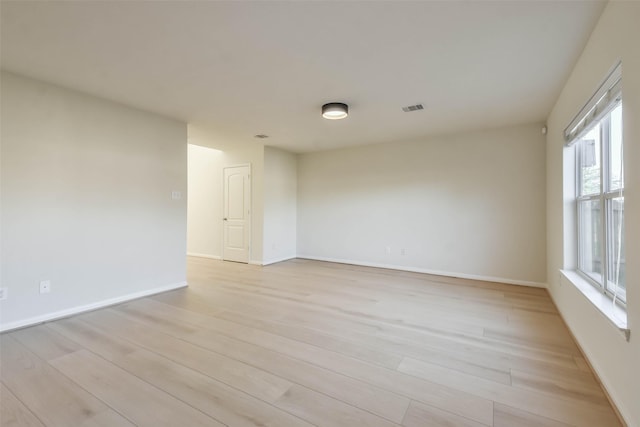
(4, 294)
(45, 286)
(388, 249)
(403, 251)
(176, 195)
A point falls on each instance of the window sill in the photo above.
(613, 312)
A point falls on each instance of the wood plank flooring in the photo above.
(304, 343)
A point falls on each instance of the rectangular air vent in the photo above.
(413, 108)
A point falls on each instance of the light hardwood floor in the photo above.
(305, 343)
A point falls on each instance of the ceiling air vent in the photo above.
(413, 108)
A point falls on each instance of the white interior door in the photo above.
(237, 214)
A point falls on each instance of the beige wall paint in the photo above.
(280, 205)
(86, 200)
(275, 220)
(616, 361)
(204, 207)
(471, 204)
(232, 154)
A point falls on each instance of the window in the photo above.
(600, 199)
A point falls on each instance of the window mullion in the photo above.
(590, 197)
(605, 132)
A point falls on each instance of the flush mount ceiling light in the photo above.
(335, 110)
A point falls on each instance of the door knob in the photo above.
(224, 219)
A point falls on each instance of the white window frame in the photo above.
(604, 196)
(596, 111)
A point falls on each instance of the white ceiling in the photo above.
(241, 68)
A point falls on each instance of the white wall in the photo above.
(470, 205)
(204, 207)
(616, 361)
(86, 200)
(280, 200)
(232, 154)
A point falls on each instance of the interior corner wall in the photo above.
(231, 154)
(86, 201)
(204, 207)
(615, 360)
(467, 205)
(280, 200)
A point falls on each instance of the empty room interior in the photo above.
(320, 213)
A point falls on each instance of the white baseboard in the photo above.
(276, 260)
(216, 257)
(621, 411)
(88, 307)
(204, 255)
(427, 271)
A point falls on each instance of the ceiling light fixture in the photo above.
(335, 110)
